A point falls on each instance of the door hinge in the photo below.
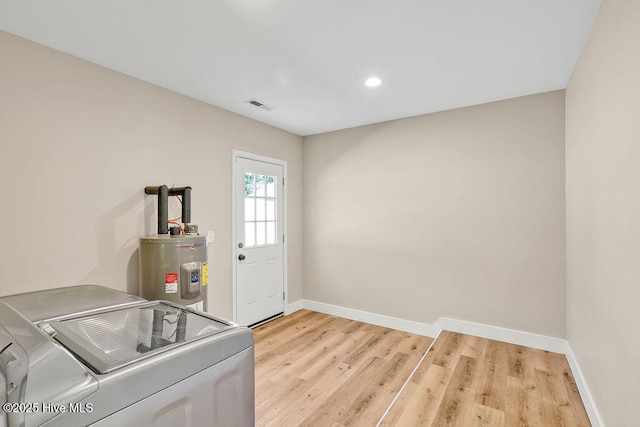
(282, 295)
(283, 181)
(283, 238)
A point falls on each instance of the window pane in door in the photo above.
(271, 186)
(249, 184)
(260, 233)
(271, 210)
(260, 209)
(249, 234)
(271, 233)
(249, 209)
(260, 185)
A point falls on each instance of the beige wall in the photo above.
(603, 211)
(78, 143)
(457, 214)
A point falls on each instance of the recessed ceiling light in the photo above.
(373, 82)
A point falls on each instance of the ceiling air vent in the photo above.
(259, 104)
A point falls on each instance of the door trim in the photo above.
(234, 242)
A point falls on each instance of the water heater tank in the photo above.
(174, 269)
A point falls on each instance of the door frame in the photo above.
(234, 237)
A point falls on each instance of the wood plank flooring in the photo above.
(471, 381)
(319, 370)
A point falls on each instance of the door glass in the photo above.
(260, 185)
(260, 213)
(249, 209)
(249, 234)
(261, 232)
(271, 188)
(271, 210)
(271, 233)
(249, 184)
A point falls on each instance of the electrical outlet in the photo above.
(210, 237)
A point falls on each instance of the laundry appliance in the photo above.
(90, 355)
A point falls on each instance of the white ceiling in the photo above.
(309, 58)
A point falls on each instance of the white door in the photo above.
(259, 242)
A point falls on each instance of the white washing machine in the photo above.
(90, 355)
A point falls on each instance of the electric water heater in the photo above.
(173, 263)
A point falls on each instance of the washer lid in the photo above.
(54, 303)
(109, 340)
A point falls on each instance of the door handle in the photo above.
(241, 257)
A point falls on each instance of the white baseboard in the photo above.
(585, 394)
(372, 318)
(511, 336)
(293, 307)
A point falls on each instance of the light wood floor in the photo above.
(319, 370)
(471, 381)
